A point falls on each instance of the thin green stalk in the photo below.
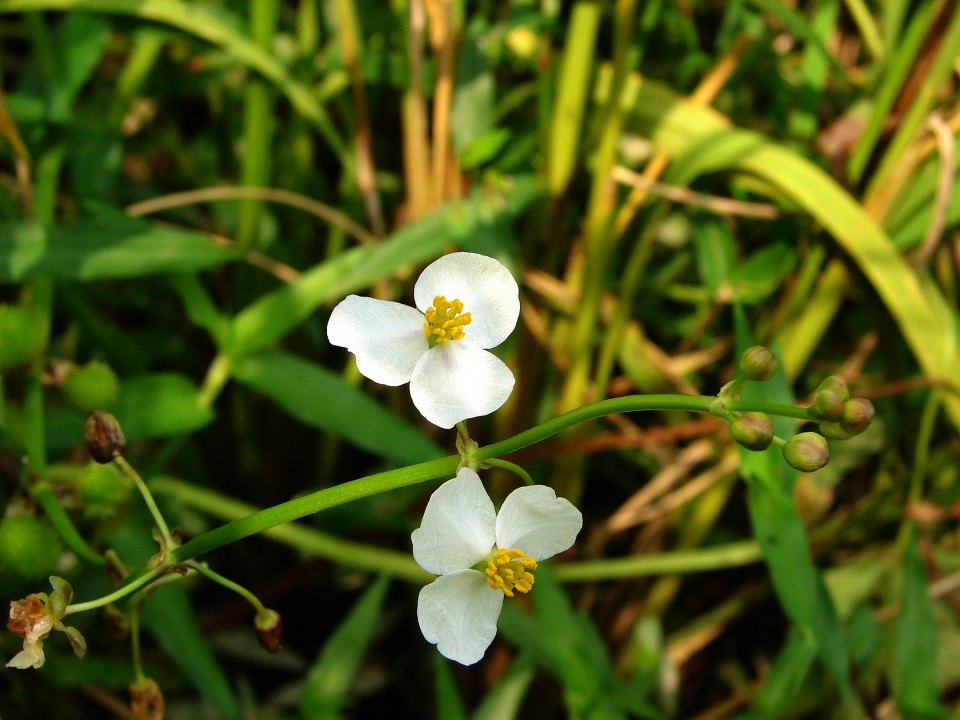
(168, 542)
(229, 584)
(218, 374)
(515, 469)
(867, 27)
(138, 676)
(64, 526)
(737, 554)
(140, 61)
(133, 583)
(921, 456)
(346, 492)
(257, 125)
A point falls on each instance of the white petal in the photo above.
(486, 288)
(453, 382)
(457, 530)
(535, 520)
(386, 337)
(32, 656)
(458, 613)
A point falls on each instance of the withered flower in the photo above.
(35, 617)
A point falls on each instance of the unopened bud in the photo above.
(103, 436)
(857, 415)
(806, 452)
(834, 384)
(269, 628)
(146, 700)
(833, 431)
(758, 363)
(752, 430)
(828, 405)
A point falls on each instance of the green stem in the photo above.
(133, 583)
(515, 469)
(444, 467)
(734, 554)
(229, 584)
(168, 543)
(64, 526)
(138, 677)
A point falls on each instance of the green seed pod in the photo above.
(857, 415)
(92, 387)
(828, 405)
(103, 436)
(752, 430)
(21, 336)
(758, 363)
(806, 452)
(104, 488)
(29, 548)
(834, 384)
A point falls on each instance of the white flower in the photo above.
(468, 303)
(460, 529)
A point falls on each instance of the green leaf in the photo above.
(274, 315)
(762, 273)
(787, 674)
(321, 399)
(80, 41)
(656, 112)
(101, 250)
(449, 704)
(330, 678)
(504, 699)
(169, 617)
(472, 113)
(915, 651)
(715, 251)
(158, 405)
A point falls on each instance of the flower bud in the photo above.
(857, 415)
(758, 363)
(29, 548)
(828, 405)
(833, 431)
(806, 452)
(91, 387)
(146, 700)
(752, 430)
(834, 384)
(269, 628)
(104, 436)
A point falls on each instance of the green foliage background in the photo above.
(187, 187)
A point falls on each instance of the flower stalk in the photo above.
(168, 542)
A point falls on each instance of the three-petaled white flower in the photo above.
(460, 529)
(466, 304)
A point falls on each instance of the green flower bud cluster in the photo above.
(840, 416)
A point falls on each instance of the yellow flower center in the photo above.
(445, 321)
(511, 570)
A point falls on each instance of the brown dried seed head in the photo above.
(146, 700)
(104, 436)
(269, 628)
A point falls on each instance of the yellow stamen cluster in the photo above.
(511, 570)
(444, 321)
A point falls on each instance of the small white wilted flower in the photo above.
(466, 304)
(462, 532)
